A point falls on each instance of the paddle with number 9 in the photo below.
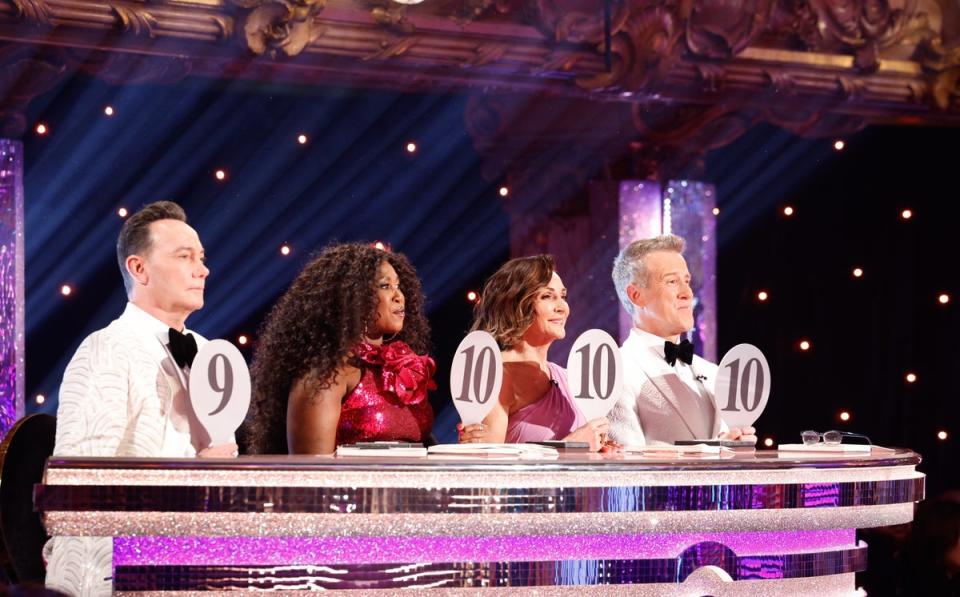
(220, 389)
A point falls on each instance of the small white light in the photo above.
(788, 211)
(768, 442)
(839, 144)
(220, 174)
(716, 211)
(66, 290)
(504, 191)
(857, 272)
(944, 298)
(906, 214)
(411, 147)
(844, 416)
(942, 435)
(108, 110)
(380, 245)
(41, 399)
(911, 377)
(242, 340)
(285, 249)
(122, 212)
(762, 296)
(302, 139)
(42, 129)
(804, 345)
(472, 296)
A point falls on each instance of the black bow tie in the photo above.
(682, 351)
(183, 347)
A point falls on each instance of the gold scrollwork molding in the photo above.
(723, 28)
(863, 28)
(33, 11)
(274, 27)
(135, 19)
(942, 68)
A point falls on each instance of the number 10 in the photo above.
(476, 372)
(742, 381)
(597, 366)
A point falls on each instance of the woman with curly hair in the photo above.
(524, 307)
(339, 358)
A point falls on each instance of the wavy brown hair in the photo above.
(314, 326)
(505, 308)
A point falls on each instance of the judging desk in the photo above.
(755, 523)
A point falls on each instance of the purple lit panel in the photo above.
(640, 217)
(684, 208)
(370, 550)
(11, 283)
(821, 495)
(688, 213)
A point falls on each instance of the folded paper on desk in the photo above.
(665, 450)
(501, 450)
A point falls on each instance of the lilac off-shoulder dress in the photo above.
(552, 417)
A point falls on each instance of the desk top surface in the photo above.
(566, 461)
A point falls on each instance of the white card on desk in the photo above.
(821, 447)
(666, 450)
(516, 450)
(380, 452)
(828, 450)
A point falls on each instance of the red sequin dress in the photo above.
(390, 401)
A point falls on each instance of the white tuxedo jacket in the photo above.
(122, 395)
(656, 406)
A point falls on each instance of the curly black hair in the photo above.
(314, 326)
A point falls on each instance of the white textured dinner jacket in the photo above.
(660, 403)
(122, 395)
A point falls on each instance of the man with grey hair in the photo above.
(668, 391)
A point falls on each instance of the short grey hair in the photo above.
(630, 265)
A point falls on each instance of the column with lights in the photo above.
(11, 283)
(28, 72)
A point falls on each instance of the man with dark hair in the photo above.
(124, 392)
(134, 238)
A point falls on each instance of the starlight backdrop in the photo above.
(268, 176)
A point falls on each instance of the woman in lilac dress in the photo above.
(524, 307)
